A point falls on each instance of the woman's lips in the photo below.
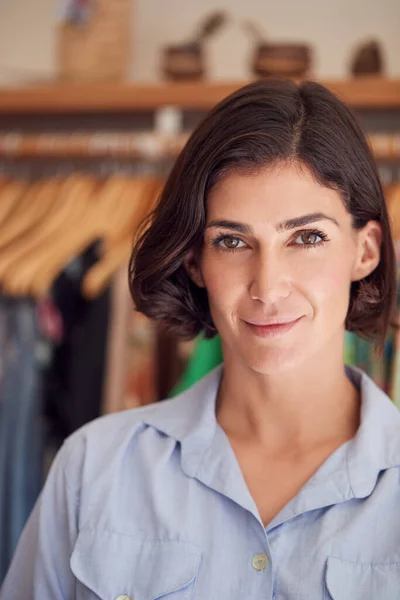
(273, 330)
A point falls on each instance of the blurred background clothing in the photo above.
(21, 426)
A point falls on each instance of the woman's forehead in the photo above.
(275, 193)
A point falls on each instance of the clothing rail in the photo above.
(147, 146)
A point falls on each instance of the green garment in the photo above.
(206, 355)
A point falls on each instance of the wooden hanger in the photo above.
(94, 225)
(82, 212)
(142, 195)
(138, 198)
(99, 276)
(39, 239)
(10, 192)
(62, 224)
(32, 207)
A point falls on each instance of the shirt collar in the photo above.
(353, 469)
(376, 445)
(189, 418)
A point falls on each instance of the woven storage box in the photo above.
(98, 50)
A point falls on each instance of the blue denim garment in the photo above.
(151, 504)
(20, 422)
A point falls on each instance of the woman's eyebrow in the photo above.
(304, 220)
(280, 227)
(240, 227)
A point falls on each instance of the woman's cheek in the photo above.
(331, 284)
(222, 274)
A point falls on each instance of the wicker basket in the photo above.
(100, 49)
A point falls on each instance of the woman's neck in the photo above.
(293, 412)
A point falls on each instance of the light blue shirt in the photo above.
(150, 504)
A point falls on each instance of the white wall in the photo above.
(27, 38)
(333, 27)
(27, 33)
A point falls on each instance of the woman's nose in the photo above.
(270, 279)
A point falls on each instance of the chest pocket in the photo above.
(348, 580)
(108, 565)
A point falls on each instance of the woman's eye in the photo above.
(230, 243)
(310, 238)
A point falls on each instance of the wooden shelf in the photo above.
(365, 93)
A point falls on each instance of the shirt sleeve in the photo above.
(40, 569)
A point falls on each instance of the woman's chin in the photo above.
(271, 361)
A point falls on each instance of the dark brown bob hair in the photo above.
(262, 124)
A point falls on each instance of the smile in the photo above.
(273, 329)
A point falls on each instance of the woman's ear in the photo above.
(191, 264)
(369, 240)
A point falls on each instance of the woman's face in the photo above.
(279, 247)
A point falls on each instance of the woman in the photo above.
(277, 475)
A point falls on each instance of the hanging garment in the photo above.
(21, 426)
(73, 382)
(207, 355)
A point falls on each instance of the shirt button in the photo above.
(124, 597)
(260, 561)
